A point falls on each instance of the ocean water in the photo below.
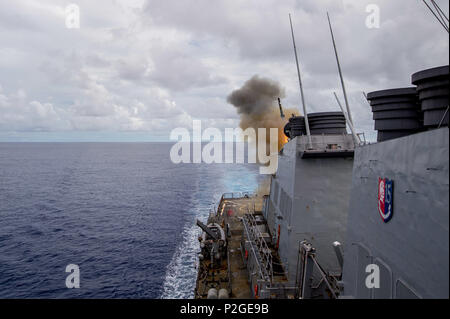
(123, 212)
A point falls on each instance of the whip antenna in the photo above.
(440, 14)
(301, 86)
(340, 73)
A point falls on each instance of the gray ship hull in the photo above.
(412, 248)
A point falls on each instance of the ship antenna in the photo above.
(340, 73)
(365, 95)
(350, 125)
(301, 86)
(441, 14)
(439, 11)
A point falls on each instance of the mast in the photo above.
(301, 86)
(340, 73)
(350, 125)
(440, 14)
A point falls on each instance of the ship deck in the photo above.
(232, 210)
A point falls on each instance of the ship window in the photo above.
(402, 291)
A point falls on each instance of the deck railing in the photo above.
(263, 255)
(236, 195)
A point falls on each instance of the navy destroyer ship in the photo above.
(344, 218)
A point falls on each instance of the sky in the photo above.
(136, 69)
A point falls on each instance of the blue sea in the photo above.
(123, 212)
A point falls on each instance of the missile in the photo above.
(281, 109)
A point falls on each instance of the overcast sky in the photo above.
(135, 70)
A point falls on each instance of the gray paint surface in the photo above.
(312, 201)
(412, 249)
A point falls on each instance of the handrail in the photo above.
(264, 255)
(236, 195)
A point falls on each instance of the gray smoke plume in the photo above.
(256, 96)
(256, 102)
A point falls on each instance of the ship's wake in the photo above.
(181, 273)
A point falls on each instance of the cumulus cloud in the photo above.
(18, 113)
(147, 65)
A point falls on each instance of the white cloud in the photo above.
(20, 114)
(154, 65)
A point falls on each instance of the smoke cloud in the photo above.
(256, 102)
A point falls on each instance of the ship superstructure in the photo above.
(408, 244)
(346, 218)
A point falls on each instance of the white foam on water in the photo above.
(181, 273)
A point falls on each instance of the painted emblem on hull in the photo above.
(385, 198)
